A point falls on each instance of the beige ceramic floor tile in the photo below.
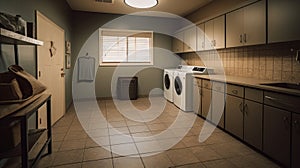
(75, 165)
(68, 157)
(72, 144)
(96, 154)
(181, 156)
(106, 163)
(128, 162)
(120, 139)
(160, 160)
(124, 149)
(223, 163)
(204, 153)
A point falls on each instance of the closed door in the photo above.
(234, 28)
(276, 134)
(200, 37)
(219, 32)
(206, 103)
(234, 116)
(255, 23)
(296, 141)
(253, 123)
(51, 66)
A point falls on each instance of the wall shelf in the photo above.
(9, 37)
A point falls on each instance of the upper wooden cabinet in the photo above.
(215, 33)
(283, 20)
(246, 26)
(177, 42)
(200, 37)
(189, 39)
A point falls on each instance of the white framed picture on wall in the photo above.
(68, 61)
(68, 47)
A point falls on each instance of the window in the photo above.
(126, 46)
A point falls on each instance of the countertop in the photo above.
(250, 82)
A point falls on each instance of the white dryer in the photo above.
(183, 86)
(182, 95)
(168, 82)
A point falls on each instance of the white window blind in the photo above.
(128, 47)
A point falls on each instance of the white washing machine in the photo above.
(183, 86)
(168, 81)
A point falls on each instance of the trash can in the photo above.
(127, 88)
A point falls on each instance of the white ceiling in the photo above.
(177, 7)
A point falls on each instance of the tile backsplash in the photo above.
(271, 62)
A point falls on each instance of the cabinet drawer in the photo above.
(254, 95)
(218, 86)
(235, 90)
(283, 101)
(206, 84)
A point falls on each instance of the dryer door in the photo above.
(167, 81)
(178, 85)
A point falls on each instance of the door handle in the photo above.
(62, 74)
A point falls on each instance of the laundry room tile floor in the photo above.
(151, 133)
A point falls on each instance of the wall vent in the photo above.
(105, 1)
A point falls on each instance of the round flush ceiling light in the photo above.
(143, 4)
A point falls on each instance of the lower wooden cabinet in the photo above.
(218, 104)
(276, 134)
(253, 117)
(295, 140)
(206, 103)
(234, 115)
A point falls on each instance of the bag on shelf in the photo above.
(17, 85)
(13, 23)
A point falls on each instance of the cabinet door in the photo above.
(209, 32)
(283, 20)
(253, 123)
(255, 24)
(296, 141)
(200, 37)
(234, 28)
(197, 99)
(276, 134)
(234, 116)
(219, 32)
(190, 39)
(177, 43)
(206, 103)
(218, 104)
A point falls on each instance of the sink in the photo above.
(284, 85)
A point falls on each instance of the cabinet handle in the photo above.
(285, 118)
(296, 123)
(241, 107)
(215, 43)
(246, 108)
(241, 38)
(234, 92)
(245, 37)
